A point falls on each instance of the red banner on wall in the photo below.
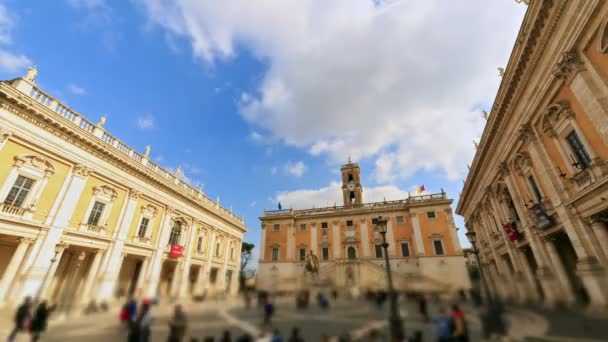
(512, 233)
(176, 251)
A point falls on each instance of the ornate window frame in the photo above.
(274, 247)
(409, 250)
(299, 248)
(148, 211)
(185, 226)
(218, 251)
(558, 122)
(202, 234)
(438, 237)
(349, 246)
(522, 165)
(34, 167)
(104, 194)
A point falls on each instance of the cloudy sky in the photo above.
(262, 101)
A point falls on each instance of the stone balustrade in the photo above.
(61, 110)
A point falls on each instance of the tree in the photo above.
(246, 255)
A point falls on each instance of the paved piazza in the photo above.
(354, 317)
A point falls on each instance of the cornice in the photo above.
(33, 112)
(521, 62)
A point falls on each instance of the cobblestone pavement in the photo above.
(354, 317)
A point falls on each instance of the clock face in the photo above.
(351, 186)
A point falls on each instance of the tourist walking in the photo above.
(226, 337)
(40, 320)
(423, 308)
(268, 312)
(22, 318)
(459, 325)
(295, 336)
(177, 325)
(140, 328)
(276, 336)
(443, 326)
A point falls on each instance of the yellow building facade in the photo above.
(537, 191)
(85, 218)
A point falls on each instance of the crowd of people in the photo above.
(31, 321)
(137, 319)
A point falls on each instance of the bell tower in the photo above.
(352, 192)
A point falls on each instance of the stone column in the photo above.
(234, 286)
(222, 280)
(42, 263)
(183, 286)
(600, 230)
(91, 277)
(157, 257)
(139, 286)
(365, 239)
(567, 292)
(453, 231)
(337, 249)
(263, 243)
(390, 238)
(291, 241)
(177, 277)
(314, 243)
(13, 266)
(200, 281)
(52, 270)
(418, 243)
(111, 269)
(209, 258)
(593, 97)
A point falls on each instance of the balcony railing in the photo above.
(151, 169)
(11, 210)
(582, 178)
(95, 228)
(374, 205)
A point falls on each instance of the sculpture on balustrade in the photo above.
(312, 266)
(32, 72)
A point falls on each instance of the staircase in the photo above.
(376, 276)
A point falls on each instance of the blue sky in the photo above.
(262, 101)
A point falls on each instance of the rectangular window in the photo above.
(231, 253)
(323, 225)
(199, 244)
(378, 251)
(374, 221)
(143, 227)
(405, 250)
(176, 232)
(325, 253)
(581, 155)
(275, 253)
(217, 249)
(430, 215)
(349, 223)
(276, 227)
(95, 214)
(19, 191)
(400, 219)
(303, 227)
(302, 254)
(438, 247)
(535, 189)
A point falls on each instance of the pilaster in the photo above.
(418, 244)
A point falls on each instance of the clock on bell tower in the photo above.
(352, 191)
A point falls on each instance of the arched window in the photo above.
(176, 233)
(352, 253)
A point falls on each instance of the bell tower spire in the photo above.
(352, 192)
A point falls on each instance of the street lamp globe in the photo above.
(471, 236)
(381, 224)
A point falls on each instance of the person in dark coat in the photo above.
(22, 317)
(40, 320)
(177, 325)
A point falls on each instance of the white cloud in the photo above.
(87, 4)
(273, 170)
(327, 196)
(403, 81)
(252, 204)
(297, 169)
(12, 63)
(76, 89)
(145, 122)
(6, 25)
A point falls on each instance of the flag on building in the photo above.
(421, 189)
(280, 207)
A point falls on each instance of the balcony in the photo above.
(95, 228)
(582, 179)
(11, 210)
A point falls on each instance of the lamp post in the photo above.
(492, 322)
(58, 250)
(395, 324)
